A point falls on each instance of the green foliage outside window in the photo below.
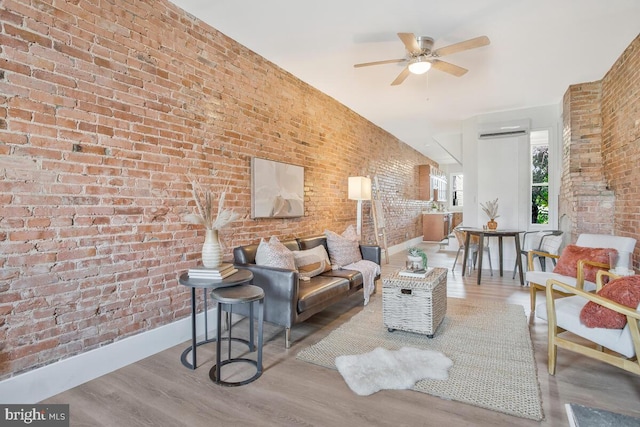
(540, 184)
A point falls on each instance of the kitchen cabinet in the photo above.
(432, 183)
(435, 226)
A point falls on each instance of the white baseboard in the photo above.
(42, 383)
(402, 247)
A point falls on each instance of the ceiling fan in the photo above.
(421, 57)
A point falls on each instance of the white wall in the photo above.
(500, 168)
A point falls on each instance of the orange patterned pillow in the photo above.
(568, 262)
(624, 291)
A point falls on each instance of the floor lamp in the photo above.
(359, 189)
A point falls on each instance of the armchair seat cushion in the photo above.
(541, 277)
(568, 317)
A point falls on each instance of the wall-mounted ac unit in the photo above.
(509, 129)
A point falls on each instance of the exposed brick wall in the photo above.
(621, 140)
(601, 152)
(585, 198)
(104, 107)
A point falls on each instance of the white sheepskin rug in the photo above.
(381, 369)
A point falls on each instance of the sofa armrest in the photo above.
(371, 253)
(280, 292)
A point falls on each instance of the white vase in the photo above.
(211, 250)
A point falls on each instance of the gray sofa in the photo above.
(288, 300)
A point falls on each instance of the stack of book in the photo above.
(421, 273)
(225, 270)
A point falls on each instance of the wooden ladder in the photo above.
(378, 219)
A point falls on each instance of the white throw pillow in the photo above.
(274, 254)
(551, 244)
(312, 262)
(343, 250)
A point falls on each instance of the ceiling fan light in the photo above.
(419, 66)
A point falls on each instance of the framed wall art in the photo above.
(277, 189)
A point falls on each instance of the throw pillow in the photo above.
(568, 262)
(551, 244)
(274, 254)
(343, 250)
(624, 291)
(312, 262)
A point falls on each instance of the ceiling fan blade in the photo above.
(448, 68)
(388, 61)
(466, 45)
(410, 43)
(403, 75)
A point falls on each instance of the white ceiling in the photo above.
(538, 48)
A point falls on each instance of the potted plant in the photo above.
(213, 216)
(491, 209)
(417, 256)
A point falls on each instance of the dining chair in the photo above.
(461, 237)
(548, 241)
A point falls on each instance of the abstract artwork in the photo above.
(277, 189)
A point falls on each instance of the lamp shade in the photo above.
(359, 188)
(419, 65)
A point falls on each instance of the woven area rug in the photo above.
(489, 343)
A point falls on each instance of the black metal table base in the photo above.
(183, 357)
(212, 372)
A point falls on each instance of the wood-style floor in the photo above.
(159, 391)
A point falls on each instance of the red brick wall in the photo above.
(601, 152)
(621, 140)
(104, 109)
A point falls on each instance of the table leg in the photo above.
(480, 256)
(193, 328)
(260, 323)
(230, 326)
(218, 339)
(206, 325)
(251, 345)
(500, 253)
(519, 259)
(466, 252)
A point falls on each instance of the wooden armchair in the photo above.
(538, 279)
(563, 315)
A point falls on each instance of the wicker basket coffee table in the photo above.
(415, 304)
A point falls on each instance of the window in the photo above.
(457, 187)
(539, 177)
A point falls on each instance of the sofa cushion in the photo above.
(354, 277)
(624, 291)
(312, 262)
(312, 242)
(343, 250)
(568, 262)
(274, 254)
(318, 290)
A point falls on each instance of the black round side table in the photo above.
(228, 297)
(239, 278)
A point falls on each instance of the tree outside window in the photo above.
(539, 177)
